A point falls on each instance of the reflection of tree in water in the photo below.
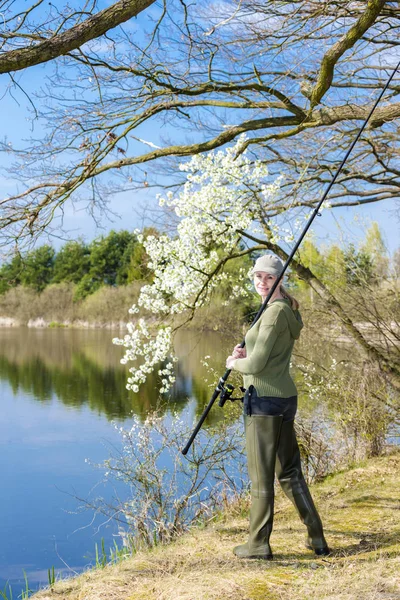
(32, 378)
(85, 383)
(80, 375)
(181, 391)
(200, 388)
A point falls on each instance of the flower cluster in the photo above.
(140, 342)
(222, 201)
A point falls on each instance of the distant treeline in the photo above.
(113, 260)
(119, 259)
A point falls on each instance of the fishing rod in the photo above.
(226, 391)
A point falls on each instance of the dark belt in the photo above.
(254, 405)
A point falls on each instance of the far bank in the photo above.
(56, 306)
(108, 308)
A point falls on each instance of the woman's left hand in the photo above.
(229, 362)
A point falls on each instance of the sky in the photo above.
(134, 209)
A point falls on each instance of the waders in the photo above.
(271, 446)
(290, 476)
(262, 439)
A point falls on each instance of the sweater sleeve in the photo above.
(267, 336)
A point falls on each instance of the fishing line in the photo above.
(221, 383)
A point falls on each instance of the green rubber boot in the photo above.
(262, 437)
(290, 476)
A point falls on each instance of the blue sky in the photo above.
(130, 208)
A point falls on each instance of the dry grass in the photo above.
(361, 512)
(56, 304)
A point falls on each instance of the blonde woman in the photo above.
(270, 406)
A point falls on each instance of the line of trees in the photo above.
(118, 259)
(349, 265)
(112, 260)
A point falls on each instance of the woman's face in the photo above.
(263, 283)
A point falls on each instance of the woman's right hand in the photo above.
(239, 352)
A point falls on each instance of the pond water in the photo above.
(60, 392)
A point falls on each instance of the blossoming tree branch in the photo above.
(222, 203)
(229, 207)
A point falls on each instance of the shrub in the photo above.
(168, 492)
(109, 304)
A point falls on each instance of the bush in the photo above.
(20, 303)
(359, 408)
(55, 303)
(109, 304)
(167, 492)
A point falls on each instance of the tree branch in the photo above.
(73, 38)
(330, 59)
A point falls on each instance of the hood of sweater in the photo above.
(293, 318)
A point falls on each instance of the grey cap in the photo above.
(269, 263)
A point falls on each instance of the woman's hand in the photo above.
(229, 362)
(239, 352)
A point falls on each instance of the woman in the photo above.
(270, 405)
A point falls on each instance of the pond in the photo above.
(60, 392)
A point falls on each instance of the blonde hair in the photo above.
(293, 301)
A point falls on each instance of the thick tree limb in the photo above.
(334, 53)
(321, 118)
(73, 38)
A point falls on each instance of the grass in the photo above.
(361, 513)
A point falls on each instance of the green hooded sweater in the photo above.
(269, 345)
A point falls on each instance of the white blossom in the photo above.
(223, 199)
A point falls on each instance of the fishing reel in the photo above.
(226, 391)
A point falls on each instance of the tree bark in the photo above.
(325, 77)
(73, 38)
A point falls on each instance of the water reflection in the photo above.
(83, 367)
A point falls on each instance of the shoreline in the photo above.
(368, 330)
(41, 323)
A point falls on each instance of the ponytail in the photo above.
(293, 301)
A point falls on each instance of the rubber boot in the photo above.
(262, 438)
(290, 476)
